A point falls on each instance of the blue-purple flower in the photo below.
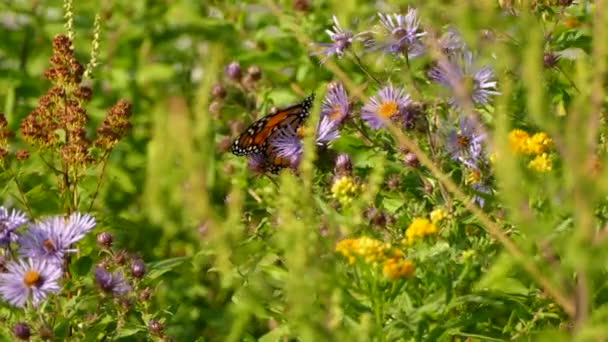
(335, 106)
(31, 279)
(113, 283)
(9, 222)
(389, 104)
(465, 142)
(287, 144)
(460, 74)
(451, 42)
(340, 41)
(51, 237)
(401, 34)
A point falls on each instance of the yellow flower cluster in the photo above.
(522, 142)
(418, 229)
(541, 163)
(377, 253)
(536, 145)
(438, 215)
(345, 189)
(396, 267)
(371, 250)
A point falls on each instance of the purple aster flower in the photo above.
(465, 143)
(480, 188)
(51, 238)
(451, 42)
(460, 71)
(335, 105)
(9, 222)
(32, 279)
(257, 163)
(403, 34)
(341, 40)
(287, 144)
(113, 283)
(391, 104)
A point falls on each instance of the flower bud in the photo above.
(218, 91)
(138, 268)
(104, 239)
(410, 159)
(344, 165)
(233, 71)
(155, 327)
(22, 331)
(550, 60)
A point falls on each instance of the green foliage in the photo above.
(234, 255)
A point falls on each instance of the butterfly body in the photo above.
(255, 139)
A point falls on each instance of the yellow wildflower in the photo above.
(396, 268)
(518, 140)
(346, 247)
(437, 215)
(371, 250)
(345, 189)
(539, 143)
(473, 176)
(541, 163)
(419, 228)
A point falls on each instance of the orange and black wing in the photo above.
(255, 138)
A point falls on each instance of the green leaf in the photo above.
(159, 268)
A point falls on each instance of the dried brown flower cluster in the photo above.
(60, 119)
(5, 136)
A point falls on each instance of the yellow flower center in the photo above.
(387, 109)
(32, 278)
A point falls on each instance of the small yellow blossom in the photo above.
(523, 143)
(539, 143)
(371, 250)
(345, 189)
(437, 215)
(472, 177)
(419, 228)
(541, 163)
(396, 268)
(518, 140)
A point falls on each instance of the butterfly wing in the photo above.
(255, 138)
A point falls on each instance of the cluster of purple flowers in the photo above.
(469, 85)
(35, 267)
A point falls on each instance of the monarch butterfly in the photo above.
(255, 138)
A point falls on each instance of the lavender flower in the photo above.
(451, 42)
(480, 188)
(403, 34)
(341, 41)
(391, 104)
(335, 105)
(460, 71)
(9, 222)
(51, 238)
(32, 279)
(257, 163)
(287, 144)
(465, 143)
(111, 282)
